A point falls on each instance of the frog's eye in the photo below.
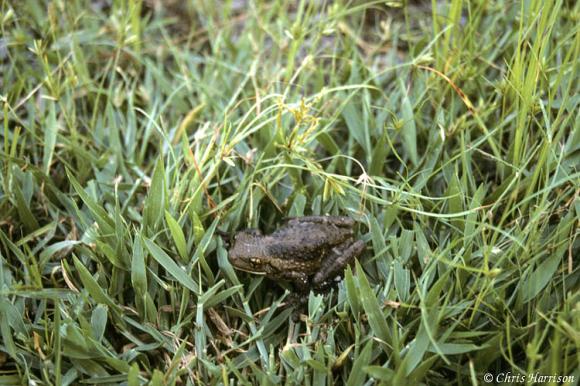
(255, 262)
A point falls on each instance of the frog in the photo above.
(310, 252)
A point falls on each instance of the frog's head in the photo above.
(247, 252)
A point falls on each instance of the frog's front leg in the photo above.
(335, 263)
(299, 279)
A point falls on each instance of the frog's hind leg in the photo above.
(335, 263)
(341, 221)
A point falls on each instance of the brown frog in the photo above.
(310, 252)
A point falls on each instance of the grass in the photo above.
(132, 131)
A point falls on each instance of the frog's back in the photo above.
(306, 241)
